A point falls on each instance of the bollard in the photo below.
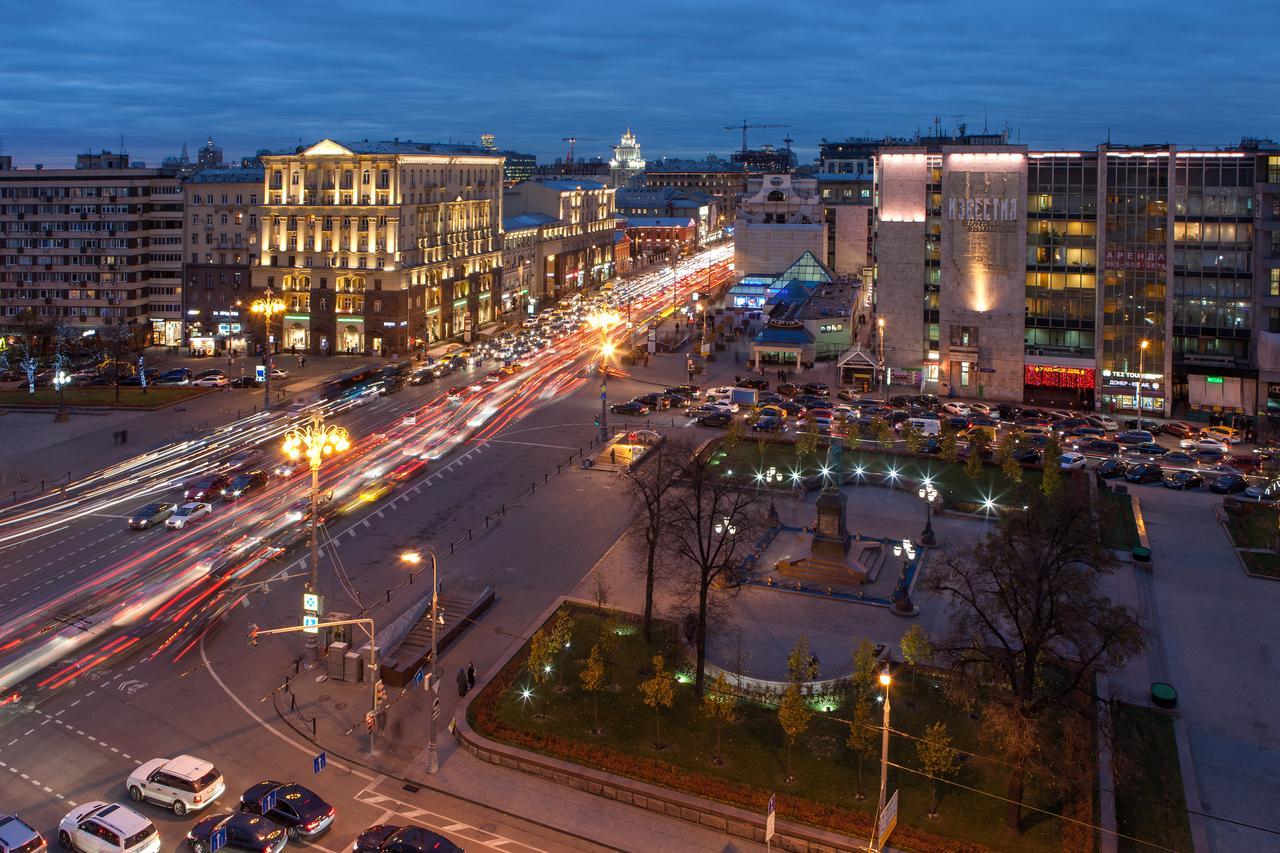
(502, 509)
(388, 596)
(450, 547)
(410, 580)
(468, 534)
(313, 726)
(546, 478)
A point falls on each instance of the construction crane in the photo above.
(744, 126)
(572, 140)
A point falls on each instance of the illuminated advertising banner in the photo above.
(1052, 376)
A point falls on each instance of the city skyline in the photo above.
(250, 81)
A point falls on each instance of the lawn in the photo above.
(824, 770)
(1267, 565)
(1252, 527)
(1149, 802)
(130, 397)
(1115, 517)
(958, 489)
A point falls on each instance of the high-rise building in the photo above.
(93, 247)
(780, 217)
(381, 246)
(221, 215)
(487, 143)
(627, 160)
(1130, 273)
(576, 231)
(725, 181)
(517, 167)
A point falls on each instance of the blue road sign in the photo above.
(260, 372)
(218, 840)
(318, 763)
(268, 802)
(419, 676)
(604, 395)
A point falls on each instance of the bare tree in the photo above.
(123, 342)
(651, 482)
(711, 520)
(1030, 630)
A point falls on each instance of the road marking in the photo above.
(533, 444)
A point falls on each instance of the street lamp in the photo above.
(315, 440)
(928, 494)
(603, 320)
(880, 342)
(1142, 351)
(60, 381)
(725, 525)
(885, 681)
(268, 306)
(413, 558)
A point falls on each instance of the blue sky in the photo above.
(77, 75)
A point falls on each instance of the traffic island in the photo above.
(131, 398)
(544, 726)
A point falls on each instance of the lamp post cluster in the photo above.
(315, 440)
(267, 307)
(604, 320)
(60, 381)
(928, 494)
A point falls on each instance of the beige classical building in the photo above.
(96, 246)
(780, 217)
(381, 246)
(575, 221)
(221, 215)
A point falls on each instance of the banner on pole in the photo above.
(888, 820)
(769, 819)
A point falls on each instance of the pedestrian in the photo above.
(471, 675)
(299, 361)
(115, 437)
(124, 436)
(613, 455)
(462, 682)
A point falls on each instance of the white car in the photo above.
(277, 373)
(1103, 422)
(17, 836)
(187, 513)
(1212, 445)
(984, 410)
(1071, 461)
(215, 381)
(184, 784)
(99, 827)
(951, 407)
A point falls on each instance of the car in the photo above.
(902, 401)
(1213, 445)
(386, 838)
(1135, 436)
(238, 460)
(206, 488)
(183, 784)
(654, 401)
(98, 827)
(789, 389)
(683, 390)
(984, 410)
(300, 510)
(301, 811)
(1110, 469)
(1028, 456)
(243, 484)
(1179, 429)
(1097, 447)
(818, 389)
(983, 421)
(1229, 484)
(16, 836)
(177, 376)
(278, 373)
(1147, 448)
(1071, 461)
(1177, 459)
(1146, 423)
(210, 379)
(245, 382)
(243, 831)
(1245, 461)
(1066, 426)
(1266, 491)
(716, 419)
(768, 423)
(1035, 429)
(757, 384)
(1105, 422)
(1184, 480)
(1144, 472)
(631, 407)
(377, 488)
(1225, 434)
(151, 514)
(188, 513)
(1086, 432)
(1008, 411)
(952, 407)
(927, 401)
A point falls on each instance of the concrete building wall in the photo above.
(900, 258)
(853, 238)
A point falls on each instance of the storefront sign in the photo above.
(1127, 382)
(1135, 259)
(1052, 376)
(1213, 380)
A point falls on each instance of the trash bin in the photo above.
(1164, 695)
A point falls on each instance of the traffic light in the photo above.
(379, 693)
(597, 420)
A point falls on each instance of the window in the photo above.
(1275, 283)
(364, 177)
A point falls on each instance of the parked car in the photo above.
(206, 488)
(150, 515)
(1111, 469)
(1177, 459)
(183, 784)
(928, 401)
(301, 811)
(631, 407)
(1135, 436)
(186, 514)
(1184, 480)
(385, 838)
(245, 382)
(1098, 447)
(718, 420)
(754, 382)
(1268, 491)
(16, 836)
(1144, 472)
(177, 376)
(1225, 434)
(244, 831)
(1147, 448)
(768, 423)
(98, 827)
(1213, 445)
(1103, 422)
(818, 389)
(1179, 429)
(1146, 423)
(243, 484)
(1071, 461)
(1028, 456)
(1229, 484)
(1009, 411)
(953, 407)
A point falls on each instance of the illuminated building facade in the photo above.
(93, 247)
(1084, 256)
(627, 160)
(780, 217)
(381, 246)
(725, 181)
(220, 211)
(575, 221)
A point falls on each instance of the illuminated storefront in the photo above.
(1058, 385)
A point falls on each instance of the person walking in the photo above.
(462, 682)
(471, 675)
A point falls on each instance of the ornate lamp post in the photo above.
(60, 381)
(315, 440)
(928, 494)
(1142, 351)
(267, 307)
(413, 558)
(885, 681)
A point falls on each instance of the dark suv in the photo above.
(243, 484)
(206, 488)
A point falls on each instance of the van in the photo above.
(926, 426)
